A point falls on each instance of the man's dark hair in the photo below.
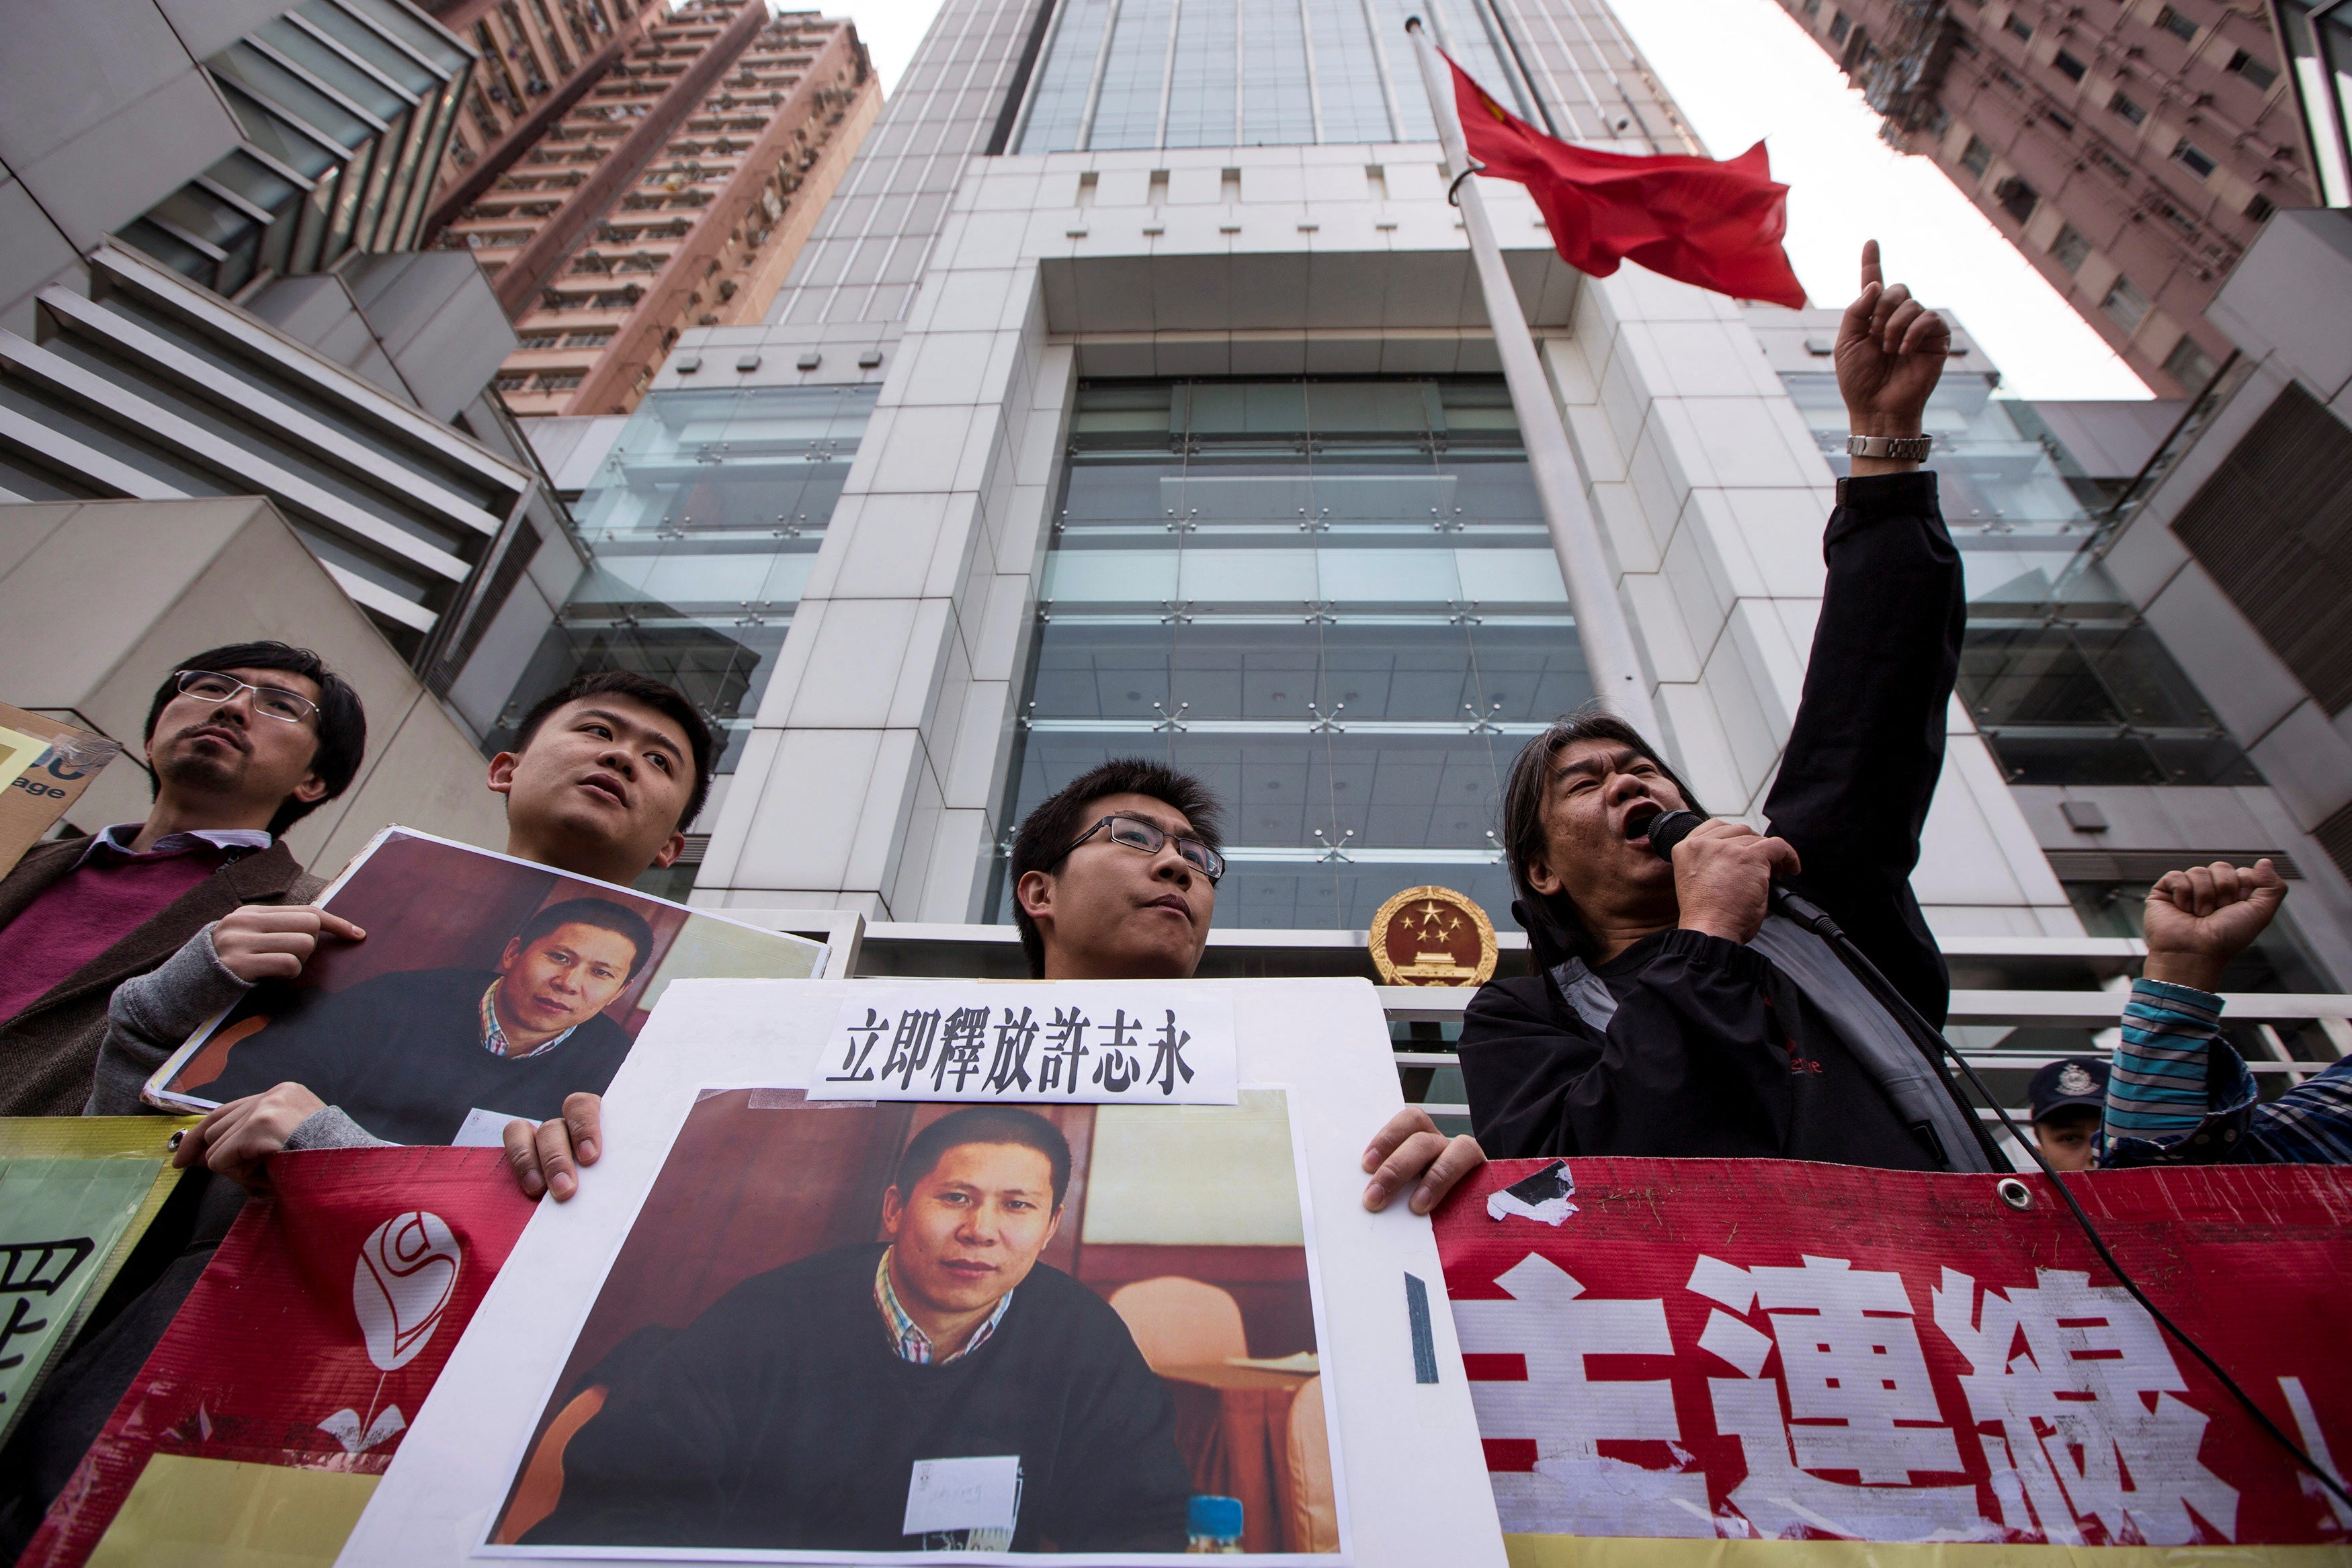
(1554, 930)
(1049, 832)
(342, 721)
(602, 913)
(984, 1124)
(665, 700)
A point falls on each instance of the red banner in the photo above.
(315, 1334)
(1745, 1349)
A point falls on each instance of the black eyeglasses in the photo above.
(269, 702)
(1138, 833)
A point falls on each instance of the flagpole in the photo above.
(1601, 626)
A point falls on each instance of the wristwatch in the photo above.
(1902, 448)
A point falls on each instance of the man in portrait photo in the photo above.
(409, 1054)
(830, 1403)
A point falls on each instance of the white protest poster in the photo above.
(779, 1328)
(486, 989)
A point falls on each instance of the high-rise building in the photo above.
(675, 192)
(2130, 154)
(537, 59)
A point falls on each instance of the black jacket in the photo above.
(1712, 1050)
(402, 1054)
(783, 1419)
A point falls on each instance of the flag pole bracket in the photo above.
(1454, 190)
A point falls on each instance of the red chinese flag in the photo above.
(1716, 225)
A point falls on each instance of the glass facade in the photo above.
(1249, 73)
(1334, 601)
(2318, 36)
(703, 525)
(2063, 678)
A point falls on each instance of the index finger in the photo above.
(336, 925)
(1871, 271)
(1393, 1133)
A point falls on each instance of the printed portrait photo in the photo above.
(486, 989)
(851, 1328)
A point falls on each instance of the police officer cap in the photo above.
(2075, 1081)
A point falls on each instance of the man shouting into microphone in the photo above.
(1674, 1013)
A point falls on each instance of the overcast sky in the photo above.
(1743, 70)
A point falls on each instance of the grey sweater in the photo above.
(151, 1016)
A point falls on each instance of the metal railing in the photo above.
(2265, 1019)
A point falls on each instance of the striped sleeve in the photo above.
(2311, 1124)
(2157, 1090)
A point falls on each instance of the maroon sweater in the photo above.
(89, 910)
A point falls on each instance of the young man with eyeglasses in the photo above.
(242, 742)
(1115, 878)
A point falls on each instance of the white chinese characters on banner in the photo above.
(1080, 1042)
(2072, 1398)
(2092, 1357)
(1574, 1489)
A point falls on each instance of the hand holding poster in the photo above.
(486, 989)
(1767, 1349)
(840, 1331)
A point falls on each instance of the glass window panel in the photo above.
(282, 89)
(332, 68)
(397, 20)
(274, 135)
(1275, 109)
(1280, 608)
(1129, 112)
(705, 523)
(378, 51)
(1202, 86)
(1347, 73)
(1413, 100)
(1065, 77)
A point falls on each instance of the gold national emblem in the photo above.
(1433, 937)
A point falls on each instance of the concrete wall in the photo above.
(103, 113)
(102, 597)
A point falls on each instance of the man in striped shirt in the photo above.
(2179, 1094)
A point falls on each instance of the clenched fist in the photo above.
(2197, 920)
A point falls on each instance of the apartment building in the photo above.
(677, 192)
(536, 58)
(2131, 149)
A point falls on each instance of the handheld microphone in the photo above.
(1668, 829)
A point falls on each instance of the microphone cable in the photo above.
(1676, 826)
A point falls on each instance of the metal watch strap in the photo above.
(1901, 448)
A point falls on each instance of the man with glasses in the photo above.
(242, 742)
(1115, 878)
